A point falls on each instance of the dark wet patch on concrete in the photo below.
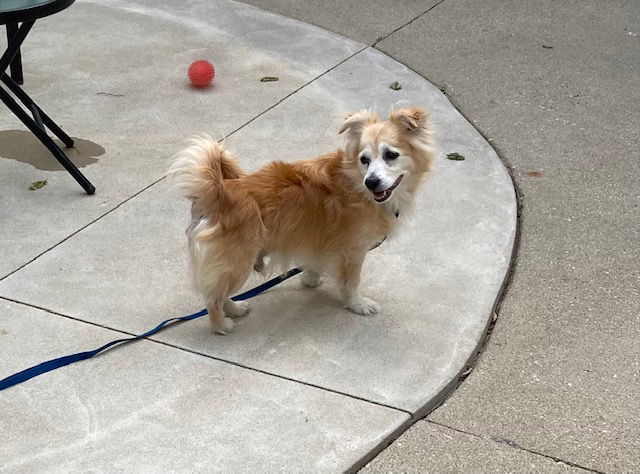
(23, 146)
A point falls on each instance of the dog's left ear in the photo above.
(411, 119)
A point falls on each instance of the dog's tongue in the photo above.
(382, 195)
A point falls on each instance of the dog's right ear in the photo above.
(356, 121)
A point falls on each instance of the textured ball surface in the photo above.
(201, 73)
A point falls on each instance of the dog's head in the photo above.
(389, 158)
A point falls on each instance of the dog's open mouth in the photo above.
(382, 196)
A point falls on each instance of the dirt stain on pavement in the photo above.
(23, 146)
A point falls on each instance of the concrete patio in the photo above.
(301, 384)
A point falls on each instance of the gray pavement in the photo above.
(150, 407)
(430, 447)
(301, 384)
(554, 88)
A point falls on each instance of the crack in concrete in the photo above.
(514, 445)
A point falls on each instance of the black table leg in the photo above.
(13, 45)
(16, 64)
(40, 119)
(46, 141)
(30, 104)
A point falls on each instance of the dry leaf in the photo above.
(37, 185)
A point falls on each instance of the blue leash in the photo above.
(53, 364)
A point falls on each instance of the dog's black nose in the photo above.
(372, 182)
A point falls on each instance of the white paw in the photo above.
(310, 279)
(227, 325)
(235, 309)
(364, 306)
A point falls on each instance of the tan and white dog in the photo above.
(323, 214)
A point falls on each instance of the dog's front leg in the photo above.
(350, 268)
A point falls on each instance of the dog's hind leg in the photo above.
(219, 323)
(223, 256)
(310, 278)
(228, 272)
(235, 309)
(218, 299)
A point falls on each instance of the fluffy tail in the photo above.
(200, 170)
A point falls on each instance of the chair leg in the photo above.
(37, 111)
(46, 140)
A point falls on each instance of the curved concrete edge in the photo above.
(327, 85)
(463, 373)
(440, 397)
(492, 318)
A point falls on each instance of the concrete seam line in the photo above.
(163, 177)
(83, 227)
(298, 90)
(382, 38)
(208, 356)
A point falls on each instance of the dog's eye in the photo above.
(390, 155)
(364, 159)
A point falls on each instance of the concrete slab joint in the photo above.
(300, 384)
